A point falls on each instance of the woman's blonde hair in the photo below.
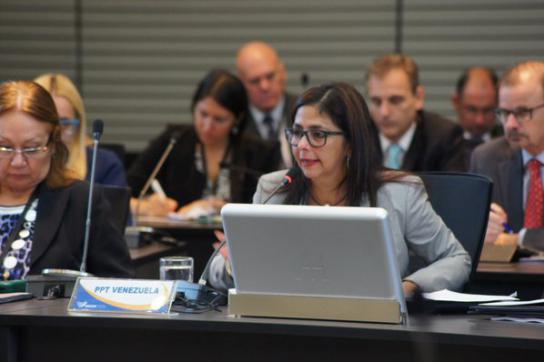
(30, 98)
(60, 85)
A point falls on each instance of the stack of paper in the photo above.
(446, 295)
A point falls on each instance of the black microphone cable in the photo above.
(203, 280)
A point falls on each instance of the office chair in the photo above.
(119, 202)
(117, 148)
(462, 200)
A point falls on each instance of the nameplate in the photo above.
(498, 253)
(122, 295)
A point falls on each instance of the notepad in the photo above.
(525, 311)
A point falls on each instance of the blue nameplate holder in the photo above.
(122, 295)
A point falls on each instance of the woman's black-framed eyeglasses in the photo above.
(315, 137)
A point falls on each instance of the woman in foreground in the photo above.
(42, 204)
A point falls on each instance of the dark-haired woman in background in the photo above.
(42, 205)
(332, 144)
(192, 175)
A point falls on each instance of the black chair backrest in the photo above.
(117, 148)
(119, 200)
(462, 200)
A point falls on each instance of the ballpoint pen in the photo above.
(157, 188)
(507, 228)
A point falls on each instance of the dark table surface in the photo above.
(31, 325)
(191, 238)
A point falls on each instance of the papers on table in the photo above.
(446, 295)
(533, 259)
(178, 217)
(515, 303)
(202, 219)
(518, 320)
(195, 213)
(529, 311)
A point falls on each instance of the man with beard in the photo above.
(514, 162)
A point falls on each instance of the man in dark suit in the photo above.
(515, 162)
(264, 76)
(475, 100)
(410, 138)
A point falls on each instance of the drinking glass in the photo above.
(176, 268)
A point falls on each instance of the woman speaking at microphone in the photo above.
(212, 161)
(331, 141)
(42, 205)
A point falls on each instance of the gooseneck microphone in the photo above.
(203, 280)
(56, 283)
(288, 179)
(304, 80)
(98, 128)
(173, 140)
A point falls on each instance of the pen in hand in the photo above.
(157, 188)
(507, 228)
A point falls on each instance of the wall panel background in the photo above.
(448, 36)
(137, 62)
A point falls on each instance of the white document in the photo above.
(177, 217)
(194, 213)
(533, 259)
(518, 320)
(446, 295)
(515, 303)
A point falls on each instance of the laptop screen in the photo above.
(312, 250)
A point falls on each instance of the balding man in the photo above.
(264, 76)
(475, 101)
(517, 174)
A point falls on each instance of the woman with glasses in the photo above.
(212, 161)
(331, 141)
(73, 122)
(42, 205)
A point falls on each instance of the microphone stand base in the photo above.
(43, 286)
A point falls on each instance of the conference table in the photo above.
(185, 237)
(43, 330)
(196, 238)
(200, 225)
(526, 278)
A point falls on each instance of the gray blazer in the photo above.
(504, 165)
(415, 227)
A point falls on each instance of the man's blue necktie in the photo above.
(394, 156)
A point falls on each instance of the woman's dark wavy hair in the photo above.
(227, 90)
(348, 110)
